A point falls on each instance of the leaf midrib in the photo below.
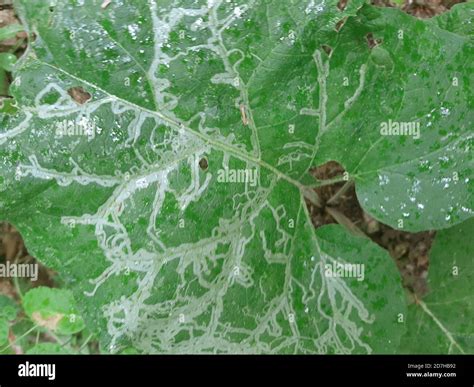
(440, 325)
(215, 143)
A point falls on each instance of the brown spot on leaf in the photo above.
(50, 322)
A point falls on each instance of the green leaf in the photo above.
(457, 20)
(8, 106)
(8, 308)
(8, 313)
(53, 309)
(4, 83)
(417, 76)
(4, 329)
(10, 31)
(159, 158)
(48, 349)
(442, 321)
(129, 351)
(7, 61)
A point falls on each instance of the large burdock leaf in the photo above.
(403, 124)
(442, 321)
(158, 162)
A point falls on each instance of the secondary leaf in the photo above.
(442, 321)
(8, 308)
(8, 312)
(10, 31)
(53, 309)
(418, 80)
(7, 61)
(48, 349)
(4, 328)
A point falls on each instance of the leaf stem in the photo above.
(342, 191)
(85, 343)
(19, 338)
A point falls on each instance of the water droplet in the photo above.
(445, 111)
(237, 12)
(383, 180)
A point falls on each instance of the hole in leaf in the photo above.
(339, 204)
(79, 95)
(327, 49)
(372, 41)
(342, 4)
(340, 24)
(203, 164)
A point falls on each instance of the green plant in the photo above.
(160, 159)
(48, 322)
(7, 59)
